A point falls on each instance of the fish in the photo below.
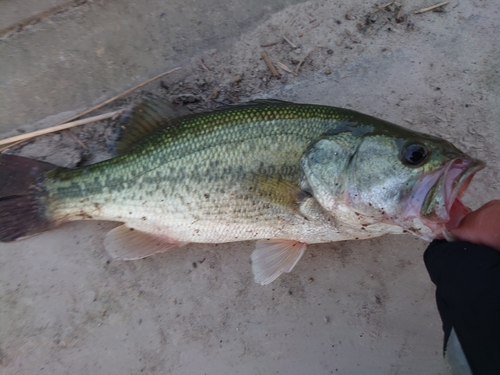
(282, 174)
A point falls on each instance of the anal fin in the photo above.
(271, 258)
(127, 243)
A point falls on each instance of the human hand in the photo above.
(480, 227)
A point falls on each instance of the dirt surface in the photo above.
(361, 307)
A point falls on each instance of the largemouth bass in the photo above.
(281, 173)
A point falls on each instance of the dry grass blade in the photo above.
(69, 123)
(77, 140)
(53, 129)
(423, 10)
(269, 44)
(2, 149)
(270, 65)
(120, 95)
(305, 57)
(382, 7)
(41, 16)
(215, 93)
(400, 11)
(289, 42)
(204, 66)
(285, 68)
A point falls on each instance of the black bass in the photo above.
(281, 173)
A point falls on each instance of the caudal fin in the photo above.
(22, 210)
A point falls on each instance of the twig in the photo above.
(382, 7)
(269, 44)
(2, 149)
(204, 66)
(119, 95)
(289, 42)
(53, 129)
(69, 124)
(77, 140)
(270, 64)
(214, 94)
(304, 58)
(400, 11)
(41, 16)
(423, 10)
(285, 68)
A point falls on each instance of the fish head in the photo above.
(406, 180)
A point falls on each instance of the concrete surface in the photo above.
(364, 307)
(80, 52)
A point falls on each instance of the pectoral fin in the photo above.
(127, 243)
(271, 258)
(279, 192)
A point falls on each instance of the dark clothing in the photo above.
(467, 279)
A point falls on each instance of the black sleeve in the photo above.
(467, 279)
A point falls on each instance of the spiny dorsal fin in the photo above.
(146, 116)
(270, 101)
(251, 103)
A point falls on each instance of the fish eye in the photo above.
(414, 154)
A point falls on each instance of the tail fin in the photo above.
(21, 197)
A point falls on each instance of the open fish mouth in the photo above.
(446, 188)
(436, 198)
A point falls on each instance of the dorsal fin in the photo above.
(145, 117)
(270, 101)
(251, 103)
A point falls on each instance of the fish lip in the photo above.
(463, 181)
(434, 194)
(451, 184)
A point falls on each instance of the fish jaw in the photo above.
(436, 197)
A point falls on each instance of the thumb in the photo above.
(481, 227)
(457, 212)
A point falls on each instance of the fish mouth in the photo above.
(446, 187)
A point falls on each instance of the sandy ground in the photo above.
(364, 307)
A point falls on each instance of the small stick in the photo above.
(53, 129)
(269, 44)
(68, 124)
(77, 140)
(204, 66)
(382, 7)
(2, 149)
(423, 10)
(119, 96)
(285, 68)
(400, 11)
(214, 94)
(289, 42)
(304, 58)
(270, 64)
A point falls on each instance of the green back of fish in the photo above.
(204, 155)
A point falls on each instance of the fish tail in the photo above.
(22, 197)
